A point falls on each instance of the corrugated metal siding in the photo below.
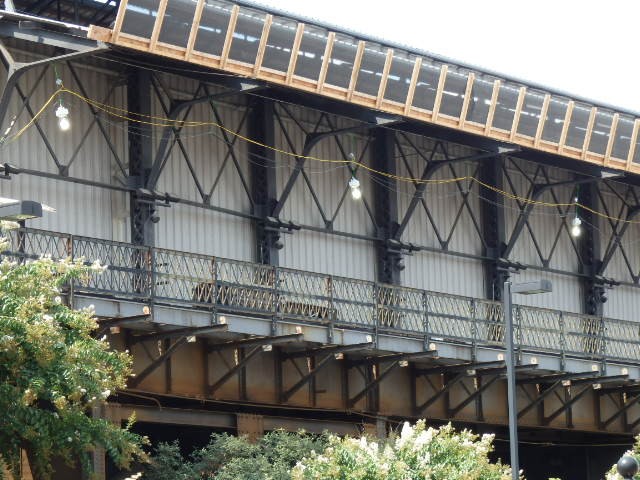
(319, 251)
(82, 210)
(444, 273)
(196, 229)
(623, 302)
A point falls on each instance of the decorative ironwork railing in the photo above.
(200, 281)
(248, 41)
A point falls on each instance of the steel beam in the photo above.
(47, 37)
(311, 141)
(493, 227)
(367, 388)
(180, 332)
(617, 238)
(15, 70)
(329, 349)
(263, 179)
(287, 394)
(458, 367)
(539, 399)
(630, 403)
(333, 349)
(250, 342)
(135, 381)
(237, 87)
(140, 156)
(589, 248)
(106, 324)
(235, 369)
(392, 358)
(555, 377)
(527, 208)
(385, 206)
(440, 393)
(452, 412)
(566, 405)
(430, 169)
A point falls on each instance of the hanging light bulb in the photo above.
(63, 118)
(64, 124)
(576, 229)
(354, 184)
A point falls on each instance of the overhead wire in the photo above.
(163, 121)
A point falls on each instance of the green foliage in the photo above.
(226, 457)
(53, 372)
(418, 453)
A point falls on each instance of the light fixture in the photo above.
(62, 113)
(20, 210)
(354, 184)
(576, 229)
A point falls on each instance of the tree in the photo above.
(418, 453)
(53, 372)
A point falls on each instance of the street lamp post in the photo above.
(527, 288)
(627, 467)
(19, 211)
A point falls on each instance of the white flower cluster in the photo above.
(417, 452)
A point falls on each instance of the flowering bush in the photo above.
(53, 371)
(418, 453)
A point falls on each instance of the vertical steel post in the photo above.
(140, 156)
(385, 199)
(263, 178)
(493, 227)
(511, 382)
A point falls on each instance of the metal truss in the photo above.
(374, 375)
(243, 357)
(180, 336)
(329, 354)
(386, 222)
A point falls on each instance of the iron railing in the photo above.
(179, 278)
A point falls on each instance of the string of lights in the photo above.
(354, 184)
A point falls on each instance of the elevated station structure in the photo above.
(208, 161)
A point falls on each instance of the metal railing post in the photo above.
(376, 316)
(563, 339)
(332, 310)
(474, 330)
(602, 333)
(276, 301)
(151, 266)
(426, 328)
(214, 289)
(71, 252)
(517, 331)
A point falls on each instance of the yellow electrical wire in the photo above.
(168, 122)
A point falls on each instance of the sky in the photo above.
(587, 48)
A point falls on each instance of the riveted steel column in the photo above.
(389, 260)
(492, 215)
(140, 156)
(263, 178)
(589, 247)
